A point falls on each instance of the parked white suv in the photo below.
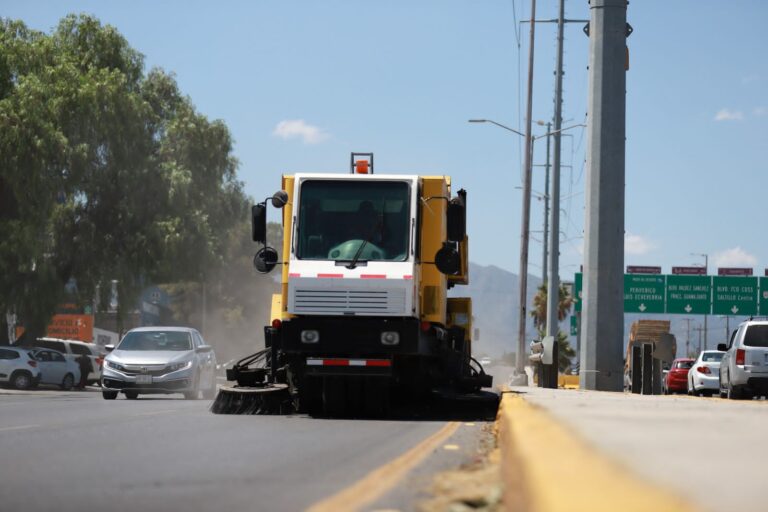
(18, 368)
(72, 349)
(744, 368)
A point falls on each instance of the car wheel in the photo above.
(21, 380)
(109, 395)
(131, 395)
(194, 393)
(210, 393)
(735, 392)
(68, 382)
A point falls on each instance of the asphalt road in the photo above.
(74, 451)
(710, 451)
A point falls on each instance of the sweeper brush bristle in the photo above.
(268, 399)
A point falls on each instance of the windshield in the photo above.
(712, 357)
(337, 218)
(683, 365)
(156, 340)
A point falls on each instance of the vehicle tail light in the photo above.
(276, 323)
(703, 369)
(425, 326)
(31, 363)
(740, 356)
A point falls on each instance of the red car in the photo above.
(676, 380)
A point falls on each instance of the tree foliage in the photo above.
(106, 172)
(539, 314)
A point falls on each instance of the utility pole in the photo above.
(553, 284)
(603, 306)
(699, 329)
(545, 243)
(526, 217)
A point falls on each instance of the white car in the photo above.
(72, 349)
(55, 369)
(17, 368)
(744, 368)
(704, 375)
(167, 360)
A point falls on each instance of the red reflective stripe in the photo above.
(335, 362)
(373, 276)
(407, 277)
(378, 362)
(294, 275)
(330, 275)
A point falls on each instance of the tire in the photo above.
(109, 395)
(131, 395)
(21, 380)
(194, 393)
(210, 394)
(334, 396)
(68, 382)
(735, 392)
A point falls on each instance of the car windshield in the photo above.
(756, 336)
(683, 365)
(156, 340)
(712, 357)
(341, 220)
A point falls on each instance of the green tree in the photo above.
(539, 314)
(105, 172)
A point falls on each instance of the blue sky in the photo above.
(301, 84)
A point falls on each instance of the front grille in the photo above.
(136, 370)
(386, 301)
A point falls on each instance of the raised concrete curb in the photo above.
(547, 469)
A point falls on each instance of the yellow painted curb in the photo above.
(547, 469)
(372, 486)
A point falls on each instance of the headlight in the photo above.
(115, 366)
(179, 366)
(390, 338)
(310, 336)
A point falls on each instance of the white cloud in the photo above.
(637, 245)
(760, 111)
(298, 128)
(736, 257)
(729, 115)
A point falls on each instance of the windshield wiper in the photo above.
(353, 264)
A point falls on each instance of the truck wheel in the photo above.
(735, 392)
(109, 395)
(131, 395)
(311, 396)
(334, 396)
(377, 397)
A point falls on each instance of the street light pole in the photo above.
(545, 243)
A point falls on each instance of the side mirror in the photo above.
(447, 259)
(280, 199)
(259, 222)
(203, 349)
(722, 347)
(109, 348)
(265, 260)
(457, 219)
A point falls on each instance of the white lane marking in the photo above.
(18, 427)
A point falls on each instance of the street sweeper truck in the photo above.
(364, 313)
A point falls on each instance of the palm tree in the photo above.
(539, 314)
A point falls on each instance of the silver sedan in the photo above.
(150, 360)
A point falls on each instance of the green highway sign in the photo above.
(574, 326)
(577, 284)
(688, 295)
(734, 295)
(764, 295)
(644, 293)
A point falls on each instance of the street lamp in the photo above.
(553, 283)
(706, 272)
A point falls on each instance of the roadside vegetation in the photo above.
(109, 172)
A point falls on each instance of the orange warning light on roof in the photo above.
(361, 167)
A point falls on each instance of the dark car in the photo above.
(676, 380)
